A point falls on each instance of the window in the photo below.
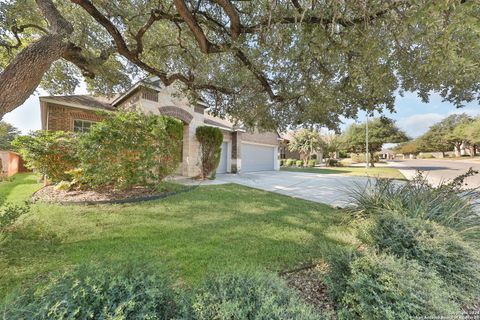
(82, 125)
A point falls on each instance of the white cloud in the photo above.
(469, 111)
(418, 124)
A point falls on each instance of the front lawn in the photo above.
(377, 172)
(19, 189)
(211, 228)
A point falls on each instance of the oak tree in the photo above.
(266, 63)
(380, 131)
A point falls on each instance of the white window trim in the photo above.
(83, 121)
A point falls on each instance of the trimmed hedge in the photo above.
(210, 139)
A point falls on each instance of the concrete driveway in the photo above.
(331, 189)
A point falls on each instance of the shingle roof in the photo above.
(84, 100)
(218, 122)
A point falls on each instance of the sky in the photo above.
(412, 115)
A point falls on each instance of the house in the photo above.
(242, 150)
(11, 163)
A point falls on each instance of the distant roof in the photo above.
(91, 101)
(218, 122)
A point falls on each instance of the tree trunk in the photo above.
(372, 161)
(23, 74)
(457, 150)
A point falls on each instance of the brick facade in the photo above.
(61, 117)
(168, 101)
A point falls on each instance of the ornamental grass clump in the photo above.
(449, 204)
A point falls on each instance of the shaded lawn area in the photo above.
(377, 172)
(212, 228)
(17, 191)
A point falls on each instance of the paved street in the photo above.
(438, 170)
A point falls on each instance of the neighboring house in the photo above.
(242, 150)
(11, 163)
(284, 151)
(387, 154)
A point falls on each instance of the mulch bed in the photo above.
(48, 194)
(309, 284)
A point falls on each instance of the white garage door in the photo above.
(257, 158)
(222, 167)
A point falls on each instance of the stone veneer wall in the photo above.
(255, 136)
(61, 117)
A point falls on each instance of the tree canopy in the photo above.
(380, 131)
(7, 135)
(306, 142)
(444, 135)
(270, 64)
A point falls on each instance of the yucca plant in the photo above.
(450, 203)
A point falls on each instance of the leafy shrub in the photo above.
(426, 156)
(447, 204)
(129, 148)
(290, 162)
(95, 293)
(339, 272)
(299, 163)
(333, 163)
(63, 186)
(311, 163)
(9, 213)
(210, 139)
(248, 296)
(432, 246)
(360, 157)
(49, 152)
(385, 287)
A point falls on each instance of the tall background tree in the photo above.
(442, 136)
(306, 142)
(380, 131)
(7, 135)
(266, 63)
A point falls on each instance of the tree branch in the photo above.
(232, 13)
(23, 74)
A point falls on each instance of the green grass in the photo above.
(377, 172)
(211, 228)
(19, 189)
